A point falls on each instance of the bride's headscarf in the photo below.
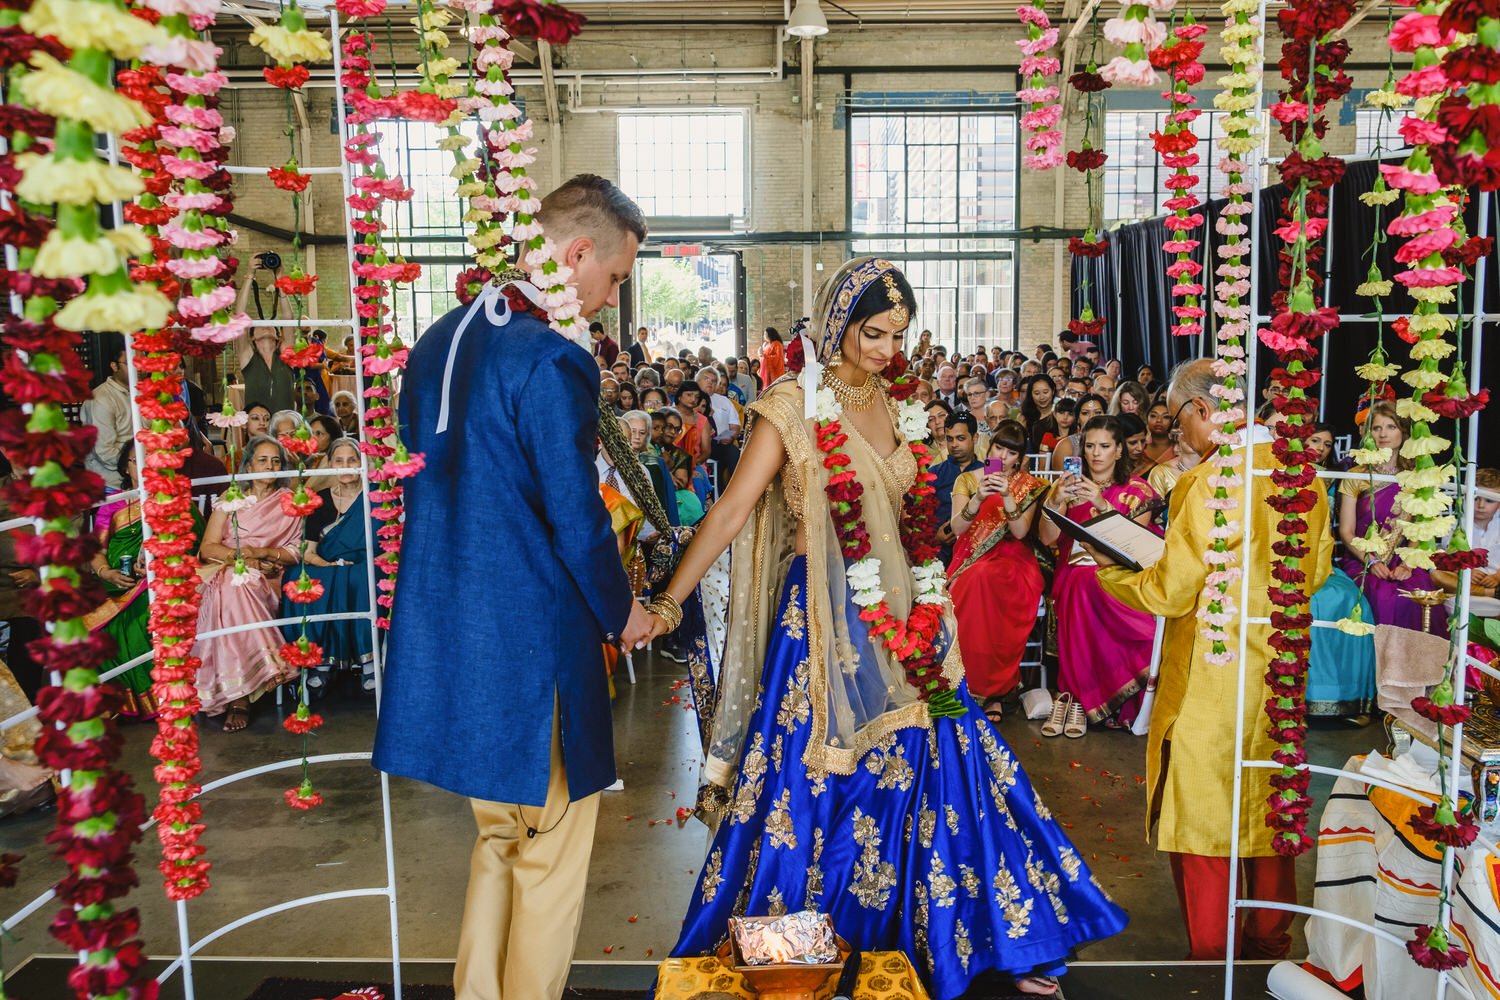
(856, 692)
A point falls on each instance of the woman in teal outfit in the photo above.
(336, 559)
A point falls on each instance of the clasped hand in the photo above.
(642, 628)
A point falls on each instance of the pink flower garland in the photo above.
(1043, 141)
(1138, 31)
(382, 354)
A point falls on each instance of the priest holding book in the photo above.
(1190, 793)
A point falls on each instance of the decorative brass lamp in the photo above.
(1428, 599)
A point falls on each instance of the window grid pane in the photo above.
(684, 164)
(1134, 178)
(944, 174)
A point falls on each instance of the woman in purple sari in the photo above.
(1104, 647)
(247, 544)
(1369, 527)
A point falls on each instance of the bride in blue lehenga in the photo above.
(830, 784)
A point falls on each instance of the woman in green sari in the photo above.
(124, 615)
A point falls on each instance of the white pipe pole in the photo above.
(376, 654)
(1247, 519)
(1460, 631)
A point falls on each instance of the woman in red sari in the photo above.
(995, 580)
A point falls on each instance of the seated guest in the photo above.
(119, 566)
(201, 464)
(1089, 407)
(1130, 397)
(346, 412)
(689, 506)
(335, 558)
(639, 427)
(1484, 582)
(1341, 667)
(628, 400)
(976, 397)
(325, 431)
(1135, 443)
(246, 550)
(995, 580)
(1159, 430)
(285, 423)
(1058, 426)
(1103, 646)
(1369, 528)
(654, 400)
(609, 391)
(1038, 395)
(1147, 378)
(938, 413)
(695, 435)
(925, 392)
(959, 433)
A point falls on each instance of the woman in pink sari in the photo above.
(1104, 647)
(245, 548)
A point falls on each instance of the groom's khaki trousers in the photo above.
(525, 898)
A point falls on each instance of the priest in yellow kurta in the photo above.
(1190, 751)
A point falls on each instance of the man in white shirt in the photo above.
(726, 424)
(109, 413)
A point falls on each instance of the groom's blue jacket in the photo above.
(510, 577)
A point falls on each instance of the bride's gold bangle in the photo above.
(665, 607)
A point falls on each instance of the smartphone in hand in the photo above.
(1073, 465)
(994, 466)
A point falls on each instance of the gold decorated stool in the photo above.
(883, 975)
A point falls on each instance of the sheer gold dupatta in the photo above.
(857, 691)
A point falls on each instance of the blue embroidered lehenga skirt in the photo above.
(936, 846)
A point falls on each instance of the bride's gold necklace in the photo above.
(852, 397)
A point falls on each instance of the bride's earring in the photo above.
(837, 359)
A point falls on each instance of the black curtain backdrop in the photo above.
(1130, 289)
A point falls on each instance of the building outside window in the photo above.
(429, 227)
(914, 175)
(685, 165)
(1134, 177)
(1371, 124)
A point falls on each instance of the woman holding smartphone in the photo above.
(1104, 647)
(995, 581)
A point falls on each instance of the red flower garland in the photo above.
(912, 642)
(1298, 321)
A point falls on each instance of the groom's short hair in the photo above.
(592, 206)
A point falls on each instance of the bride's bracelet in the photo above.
(665, 607)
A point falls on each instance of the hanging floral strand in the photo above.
(1039, 122)
(1312, 67)
(180, 133)
(1240, 49)
(1089, 160)
(381, 352)
(1178, 56)
(99, 811)
(1429, 223)
(1138, 31)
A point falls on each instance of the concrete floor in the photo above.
(644, 864)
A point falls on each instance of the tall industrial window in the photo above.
(913, 175)
(430, 226)
(685, 165)
(1134, 178)
(1372, 123)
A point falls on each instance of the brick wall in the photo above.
(583, 138)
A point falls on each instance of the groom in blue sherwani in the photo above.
(510, 585)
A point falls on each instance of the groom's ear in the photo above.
(578, 249)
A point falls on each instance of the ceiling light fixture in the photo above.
(807, 20)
